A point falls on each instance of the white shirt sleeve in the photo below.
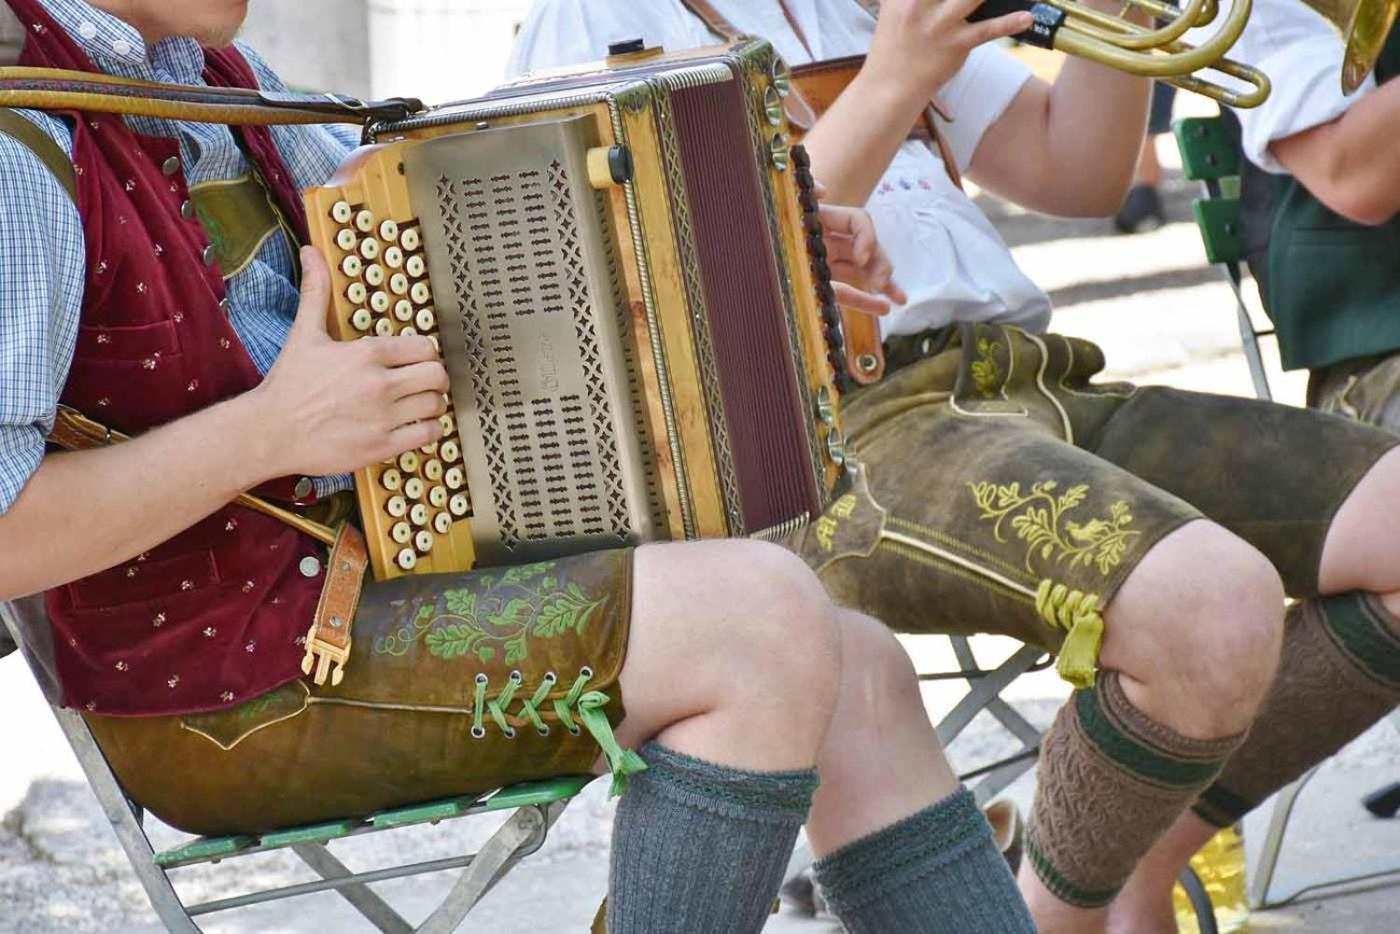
(1302, 55)
(557, 33)
(977, 95)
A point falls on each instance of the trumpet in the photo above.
(1150, 51)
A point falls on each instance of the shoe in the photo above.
(1007, 830)
(1141, 211)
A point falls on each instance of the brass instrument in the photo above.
(1364, 25)
(1152, 52)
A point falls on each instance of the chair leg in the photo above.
(367, 902)
(1263, 876)
(130, 834)
(985, 690)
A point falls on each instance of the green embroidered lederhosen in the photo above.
(457, 684)
(1010, 494)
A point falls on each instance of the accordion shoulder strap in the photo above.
(44, 147)
(58, 89)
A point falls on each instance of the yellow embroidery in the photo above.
(845, 507)
(825, 531)
(1039, 519)
(986, 372)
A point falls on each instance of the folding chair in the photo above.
(535, 806)
(1211, 154)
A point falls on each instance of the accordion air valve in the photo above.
(622, 267)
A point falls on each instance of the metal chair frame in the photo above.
(536, 807)
(1210, 156)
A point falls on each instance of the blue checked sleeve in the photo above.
(41, 283)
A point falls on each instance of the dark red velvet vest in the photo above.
(214, 616)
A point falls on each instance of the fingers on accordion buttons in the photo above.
(442, 523)
(389, 231)
(418, 515)
(357, 293)
(424, 540)
(415, 267)
(397, 507)
(456, 478)
(346, 239)
(408, 559)
(413, 488)
(379, 301)
(408, 462)
(420, 293)
(426, 320)
(364, 221)
(361, 319)
(430, 449)
(351, 266)
(433, 470)
(410, 239)
(391, 480)
(449, 450)
(393, 257)
(403, 310)
(384, 327)
(459, 505)
(401, 533)
(374, 275)
(437, 497)
(398, 284)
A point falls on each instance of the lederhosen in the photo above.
(187, 659)
(1004, 491)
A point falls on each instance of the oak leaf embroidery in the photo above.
(1040, 519)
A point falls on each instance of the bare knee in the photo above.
(880, 685)
(1197, 630)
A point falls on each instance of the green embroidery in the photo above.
(1039, 519)
(986, 372)
(499, 616)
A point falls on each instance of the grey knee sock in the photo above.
(701, 849)
(937, 872)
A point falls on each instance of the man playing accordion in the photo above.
(1146, 534)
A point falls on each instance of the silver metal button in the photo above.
(225, 306)
(170, 166)
(187, 210)
(304, 488)
(310, 566)
(210, 255)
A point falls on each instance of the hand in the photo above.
(863, 277)
(920, 44)
(330, 407)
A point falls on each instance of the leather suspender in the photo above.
(44, 147)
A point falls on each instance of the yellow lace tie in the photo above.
(1077, 613)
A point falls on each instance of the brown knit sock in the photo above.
(1340, 673)
(1111, 781)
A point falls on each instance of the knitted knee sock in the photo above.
(701, 849)
(937, 872)
(1111, 781)
(1340, 673)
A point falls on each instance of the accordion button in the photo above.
(393, 257)
(310, 566)
(426, 320)
(403, 310)
(424, 541)
(352, 267)
(407, 559)
(342, 212)
(374, 275)
(380, 302)
(826, 408)
(357, 293)
(401, 533)
(408, 462)
(391, 480)
(408, 332)
(389, 231)
(773, 106)
(170, 166)
(456, 478)
(345, 239)
(418, 515)
(413, 488)
(364, 221)
(397, 507)
(449, 428)
(411, 239)
(459, 505)
(384, 328)
(429, 449)
(369, 249)
(836, 447)
(438, 497)
(450, 452)
(416, 267)
(442, 523)
(421, 294)
(398, 284)
(779, 152)
(437, 344)
(432, 470)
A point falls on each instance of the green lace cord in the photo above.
(1077, 613)
(590, 707)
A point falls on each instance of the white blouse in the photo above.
(946, 254)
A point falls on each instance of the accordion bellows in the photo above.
(622, 267)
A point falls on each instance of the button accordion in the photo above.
(623, 269)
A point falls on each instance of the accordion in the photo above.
(622, 267)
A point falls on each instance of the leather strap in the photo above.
(328, 640)
(45, 147)
(59, 89)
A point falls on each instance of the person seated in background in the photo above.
(1322, 206)
(1146, 534)
(179, 622)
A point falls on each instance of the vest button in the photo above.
(187, 210)
(304, 488)
(210, 255)
(170, 166)
(310, 566)
(225, 307)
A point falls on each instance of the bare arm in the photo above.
(918, 46)
(1351, 164)
(325, 408)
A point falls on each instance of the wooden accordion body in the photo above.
(622, 266)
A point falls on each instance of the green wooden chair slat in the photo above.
(1207, 152)
(1219, 222)
(537, 793)
(311, 833)
(424, 813)
(205, 849)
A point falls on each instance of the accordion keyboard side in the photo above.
(537, 339)
(416, 510)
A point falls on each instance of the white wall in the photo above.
(320, 45)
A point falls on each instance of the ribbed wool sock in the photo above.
(1111, 781)
(701, 849)
(1339, 674)
(937, 872)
